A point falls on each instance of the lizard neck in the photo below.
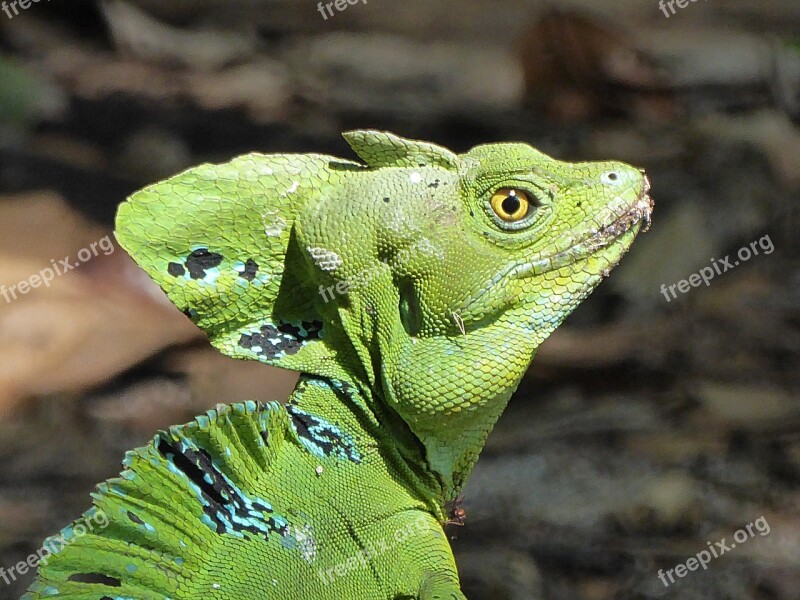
(452, 449)
(386, 446)
(452, 390)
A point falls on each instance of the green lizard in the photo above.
(411, 293)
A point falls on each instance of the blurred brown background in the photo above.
(645, 427)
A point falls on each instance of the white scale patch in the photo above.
(292, 189)
(415, 177)
(427, 246)
(264, 170)
(327, 260)
(272, 222)
(306, 544)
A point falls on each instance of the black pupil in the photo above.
(612, 176)
(511, 205)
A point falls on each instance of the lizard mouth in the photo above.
(641, 210)
(631, 217)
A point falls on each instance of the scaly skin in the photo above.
(412, 292)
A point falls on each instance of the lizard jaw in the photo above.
(640, 211)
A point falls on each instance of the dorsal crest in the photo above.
(382, 149)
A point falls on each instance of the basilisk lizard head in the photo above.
(424, 277)
(484, 254)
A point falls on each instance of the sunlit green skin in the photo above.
(439, 310)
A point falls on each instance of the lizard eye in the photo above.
(510, 204)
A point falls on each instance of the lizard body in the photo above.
(411, 290)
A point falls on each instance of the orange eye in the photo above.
(511, 204)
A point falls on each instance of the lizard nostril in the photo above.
(610, 177)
